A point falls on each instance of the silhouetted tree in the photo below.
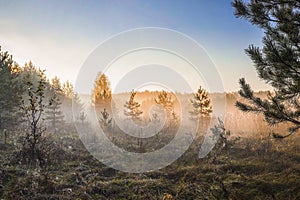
(71, 103)
(104, 119)
(33, 107)
(277, 62)
(174, 121)
(132, 108)
(155, 119)
(77, 105)
(82, 117)
(221, 136)
(10, 93)
(54, 114)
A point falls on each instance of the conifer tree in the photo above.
(71, 103)
(78, 106)
(54, 114)
(56, 85)
(201, 104)
(105, 120)
(174, 121)
(68, 89)
(102, 93)
(277, 62)
(10, 93)
(165, 100)
(202, 109)
(132, 108)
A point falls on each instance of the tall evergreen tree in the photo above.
(277, 62)
(71, 103)
(54, 114)
(132, 108)
(10, 93)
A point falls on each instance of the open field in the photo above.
(250, 169)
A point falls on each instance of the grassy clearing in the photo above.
(239, 173)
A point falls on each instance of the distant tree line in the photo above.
(102, 101)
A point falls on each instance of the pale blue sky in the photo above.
(59, 35)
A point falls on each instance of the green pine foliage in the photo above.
(54, 113)
(277, 62)
(10, 93)
(202, 109)
(132, 108)
(201, 104)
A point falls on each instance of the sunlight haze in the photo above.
(59, 35)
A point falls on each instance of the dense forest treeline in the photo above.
(22, 84)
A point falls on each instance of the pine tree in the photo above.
(132, 108)
(54, 114)
(105, 120)
(174, 121)
(56, 85)
(165, 100)
(77, 106)
(102, 93)
(277, 62)
(202, 109)
(10, 93)
(201, 104)
(71, 103)
(68, 89)
(221, 135)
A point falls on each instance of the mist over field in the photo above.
(240, 123)
(150, 100)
